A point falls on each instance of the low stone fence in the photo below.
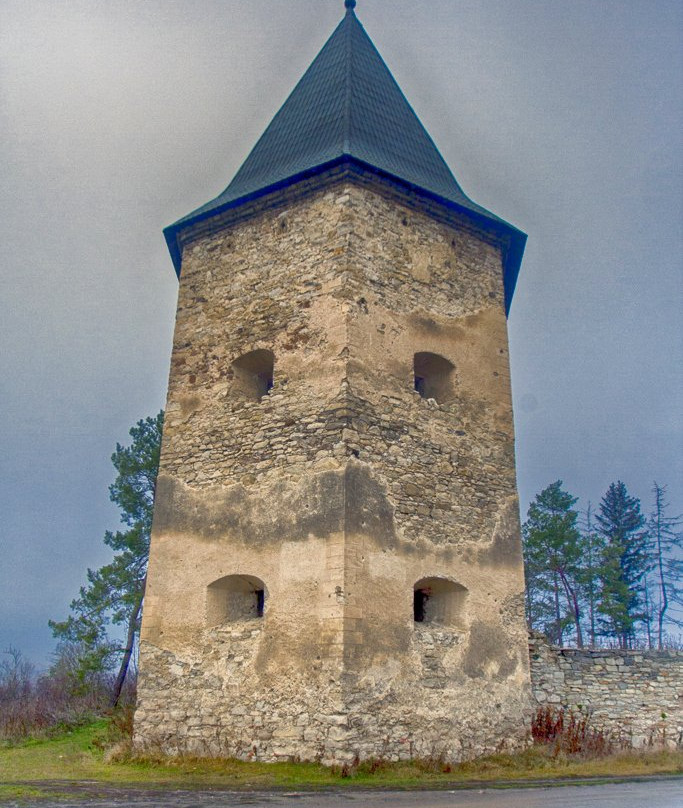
(634, 696)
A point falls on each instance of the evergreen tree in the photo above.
(553, 552)
(589, 578)
(624, 562)
(666, 543)
(114, 593)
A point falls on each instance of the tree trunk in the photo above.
(663, 594)
(590, 537)
(558, 617)
(573, 603)
(128, 650)
(647, 619)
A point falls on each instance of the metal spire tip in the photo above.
(349, 5)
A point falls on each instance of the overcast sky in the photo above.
(118, 117)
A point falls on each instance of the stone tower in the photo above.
(336, 564)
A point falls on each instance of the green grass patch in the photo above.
(80, 755)
(19, 793)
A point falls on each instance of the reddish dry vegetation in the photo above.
(565, 732)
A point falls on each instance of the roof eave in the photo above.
(512, 255)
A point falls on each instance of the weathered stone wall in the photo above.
(634, 696)
(339, 490)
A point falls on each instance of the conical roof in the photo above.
(347, 106)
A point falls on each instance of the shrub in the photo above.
(568, 733)
(36, 705)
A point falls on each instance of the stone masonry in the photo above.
(636, 697)
(340, 497)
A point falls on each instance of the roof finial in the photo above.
(349, 5)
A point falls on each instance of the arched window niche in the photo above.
(253, 373)
(440, 602)
(235, 597)
(433, 376)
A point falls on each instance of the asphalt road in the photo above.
(649, 794)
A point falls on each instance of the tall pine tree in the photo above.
(553, 553)
(666, 543)
(624, 563)
(592, 553)
(114, 593)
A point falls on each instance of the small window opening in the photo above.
(265, 382)
(420, 598)
(235, 597)
(440, 602)
(253, 374)
(433, 376)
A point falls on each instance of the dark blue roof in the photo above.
(346, 106)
